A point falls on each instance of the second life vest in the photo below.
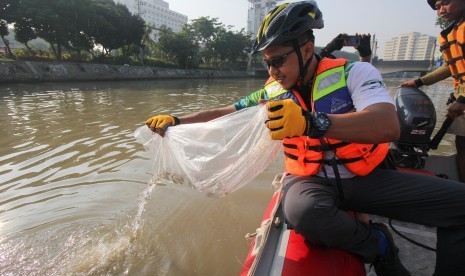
(452, 46)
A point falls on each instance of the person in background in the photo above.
(364, 49)
(335, 118)
(451, 42)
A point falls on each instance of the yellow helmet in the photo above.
(286, 23)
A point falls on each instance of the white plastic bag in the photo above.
(217, 157)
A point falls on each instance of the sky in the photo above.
(384, 19)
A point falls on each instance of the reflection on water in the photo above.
(75, 196)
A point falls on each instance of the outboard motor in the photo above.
(417, 119)
(417, 116)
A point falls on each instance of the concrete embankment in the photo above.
(33, 71)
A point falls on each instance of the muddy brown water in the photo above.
(75, 194)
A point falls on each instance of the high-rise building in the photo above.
(410, 46)
(156, 13)
(257, 11)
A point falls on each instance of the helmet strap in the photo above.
(300, 85)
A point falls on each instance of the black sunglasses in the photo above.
(276, 62)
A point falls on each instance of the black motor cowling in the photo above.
(417, 117)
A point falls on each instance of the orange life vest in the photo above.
(304, 155)
(452, 46)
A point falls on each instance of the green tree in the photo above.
(112, 26)
(80, 39)
(4, 32)
(205, 29)
(54, 21)
(219, 45)
(230, 47)
(179, 48)
(147, 41)
(77, 25)
(79, 42)
(102, 29)
(24, 32)
(8, 9)
(133, 29)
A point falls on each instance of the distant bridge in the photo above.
(403, 68)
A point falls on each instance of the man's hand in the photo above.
(364, 49)
(365, 218)
(160, 123)
(285, 119)
(409, 83)
(336, 44)
(455, 109)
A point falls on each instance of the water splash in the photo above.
(143, 198)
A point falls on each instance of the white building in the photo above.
(156, 13)
(410, 46)
(257, 11)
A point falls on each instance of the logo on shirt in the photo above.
(374, 84)
(337, 104)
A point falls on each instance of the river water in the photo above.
(75, 190)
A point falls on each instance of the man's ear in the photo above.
(309, 48)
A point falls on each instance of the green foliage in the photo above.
(24, 31)
(74, 25)
(8, 9)
(3, 29)
(155, 62)
(179, 48)
(73, 28)
(231, 47)
(204, 29)
(115, 27)
(207, 43)
(5, 59)
(20, 53)
(4, 32)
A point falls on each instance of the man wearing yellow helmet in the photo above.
(335, 118)
(452, 41)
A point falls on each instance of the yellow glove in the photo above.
(160, 123)
(285, 119)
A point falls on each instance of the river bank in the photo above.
(42, 71)
(39, 71)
